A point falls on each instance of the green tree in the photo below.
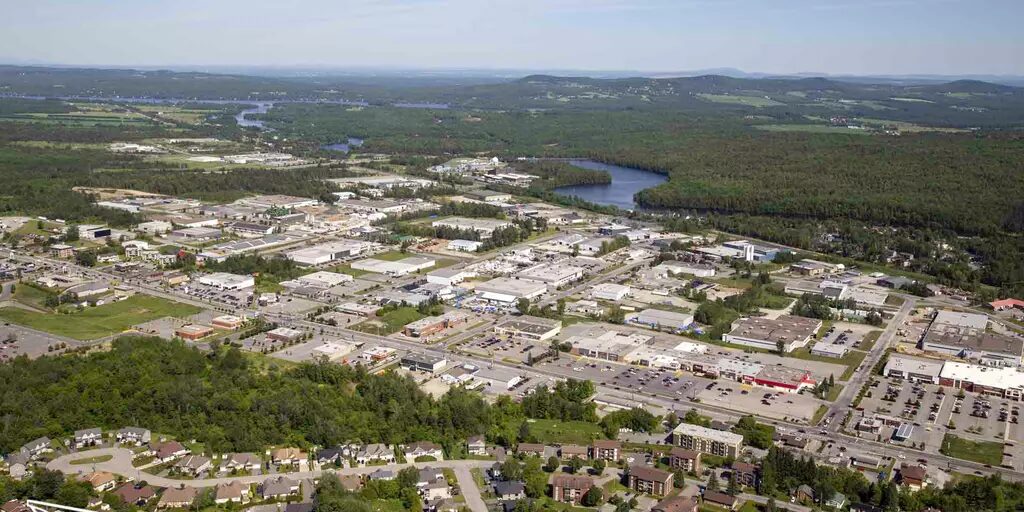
(592, 497)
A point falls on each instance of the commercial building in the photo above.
(230, 322)
(529, 327)
(465, 245)
(449, 276)
(661, 319)
(498, 377)
(833, 350)
(193, 332)
(707, 440)
(278, 201)
(1004, 382)
(674, 267)
(552, 274)
(434, 324)
(508, 290)
(609, 346)
(482, 227)
(964, 335)
(285, 334)
(609, 291)
(784, 378)
(792, 332)
(489, 196)
(914, 369)
(248, 229)
(328, 252)
(226, 281)
(200, 234)
(320, 280)
(423, 362)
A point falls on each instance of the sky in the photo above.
(651, 36)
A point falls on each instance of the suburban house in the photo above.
(135, 494)
(166, 452)
(375, 452)
(88, 437)
(531, 449)
(241, 462)
(422, 449)
(720, 499)
(382, 474)
(100, 481)
(649, 480)
(133, 435)
(570, 488)
(436, 490)
(837, 501)
(606, 449)
(178, 497)
(804, 493)
(476, 446)
(684, 459)
(233, 492)
(37, 447)
(279, 487)
(330, 456)
(913, 477)
(194, 465)
(289, 455)
(510, 490)
(676, 504)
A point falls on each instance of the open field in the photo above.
(811, 128)
(985, 452)
(391, 322)
(100, 321)
(748, 101)
(557, 431)
(852, 360)
(92, 460)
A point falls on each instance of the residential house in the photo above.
(421, 450)
(746, 473)
(37, 447)
(606, 449)
(510, 490)
(14, 506)
(570, 451)
(133, 435)
(476, 446)
(530, 449)
(279, 487)
(329, 456)
(436, 490)
(88, 437)
(570, 488)
(864, 507)
(241, 462)
(804, 493)
(135, 493)
(166, 452)
(913, 477)
(720, 499)
(495, 470)
(178, 497)
(194, 465)
(287, 456)
(233, 492)
(676, 504)
(837, 501)
(17, 465)
(429, 474)
(101, 481)
(684, 459)
(375, 452)
(382, 474)
(649, 480)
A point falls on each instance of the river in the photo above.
(626, 181)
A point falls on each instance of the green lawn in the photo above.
(393, 256)
(557, 431)
(100, 321)
(819, 414)
(30, 295)
(852, 360)
(92, 460)
(869, 341)
(347, 269)
(985, 452)
(391, 322)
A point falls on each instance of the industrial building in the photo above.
(423, 363)
(449, 276)
(398, 268)
(507, 290)
(964, 335)
(320, 280)
(792, 332)
(328, 252)
(707, 440)
(833, 350)
(552, 274)
(674, 267)
(609, 291)
(465, 245)
(226, 281)
(609, 346)
(434, 324)
(482, 227)
(662, 320)
(529, 327)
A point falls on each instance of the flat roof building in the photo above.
(914, 369)
(394, 268)
(508, 290)
(609, 291)
(1003, 382)
(193, 332)
(226, 281)
(423, 362)
(964, 335)
(328, 252)
(661, 319)
(833, 350)
(482, 227)
(707, 440)
(610, 345)
(529, 327)
(552, 274)
(792, 332)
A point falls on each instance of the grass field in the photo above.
(852, 360)
(556, 431)
(91, 460)
(811, 128)
(985, 452)
(100, 321)
(391, 322)
(748, 101)
(30, 296)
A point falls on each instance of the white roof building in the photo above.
(609, 291)
(226, 281)
(328, 252)
(661, 319)
(508, 290)
(465, 245)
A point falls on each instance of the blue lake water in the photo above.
(626, 181)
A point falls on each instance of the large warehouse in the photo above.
(661, 319)
(792, 331)
(507, 290)
(328, 252)
(226, 281)
(529, 327)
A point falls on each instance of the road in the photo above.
(121, 464)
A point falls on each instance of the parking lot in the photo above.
(930, 408)
(16, 341)
(509, 351)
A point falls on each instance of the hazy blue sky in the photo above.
(831, 36)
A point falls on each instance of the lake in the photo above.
(344, 147)
(626, 181)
